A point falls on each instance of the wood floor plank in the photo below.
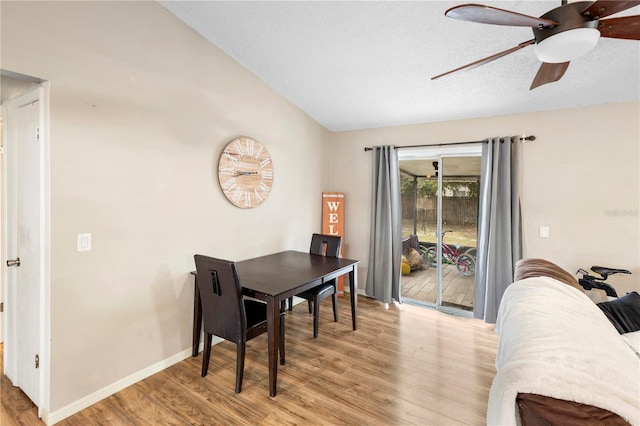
(408, 366)
(15, 407)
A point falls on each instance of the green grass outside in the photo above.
(464, 235)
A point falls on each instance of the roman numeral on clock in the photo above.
(259, 151)
(237, 194)
(230, 157)
(228, 184)
(239, 149)
(250, 145)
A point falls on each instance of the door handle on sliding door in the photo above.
(13, 262)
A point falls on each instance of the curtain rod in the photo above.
(521, 138)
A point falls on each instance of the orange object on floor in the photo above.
(333, 222)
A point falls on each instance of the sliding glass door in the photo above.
(439, 188)
(458, 237)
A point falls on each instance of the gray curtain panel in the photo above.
(499, 227)
(385, 245)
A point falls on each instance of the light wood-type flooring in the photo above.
(407, 365)
(15, 407)
(457, 290)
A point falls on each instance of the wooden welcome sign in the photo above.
(333, 222)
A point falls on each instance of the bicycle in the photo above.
(589, 282)
(451, 254)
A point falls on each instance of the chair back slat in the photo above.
(326, 245)
(223, 308)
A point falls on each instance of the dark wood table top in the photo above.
(284, 272)
(281, 273)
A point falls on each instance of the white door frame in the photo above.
(9, 283)
(439, 153)
(2, 278)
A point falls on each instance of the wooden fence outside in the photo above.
(455, 210)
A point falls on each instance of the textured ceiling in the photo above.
(356, 65)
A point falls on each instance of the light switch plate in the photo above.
(544, 232)
(84, 242)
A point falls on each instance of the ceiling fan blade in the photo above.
(548, 73)
(487, 59)
(492, 15)
(627, 27)
(601, 8)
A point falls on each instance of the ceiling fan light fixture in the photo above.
(567, 45)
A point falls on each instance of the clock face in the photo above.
(245, 172)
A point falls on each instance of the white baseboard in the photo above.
(69, 410)
(79, 405)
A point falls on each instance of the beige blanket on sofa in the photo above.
(554, 341)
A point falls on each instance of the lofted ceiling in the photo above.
(358, 64)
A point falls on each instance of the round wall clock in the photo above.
(245, 172)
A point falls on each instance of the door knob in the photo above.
(13, 262)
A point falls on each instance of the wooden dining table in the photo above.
(273, 279)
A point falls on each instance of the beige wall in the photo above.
(581, 177)
(141, 107)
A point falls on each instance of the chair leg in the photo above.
(316, 317)
(207, 353)
(334, 299)
(239, 366)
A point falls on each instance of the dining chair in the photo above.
(227, 313)
(325, 245)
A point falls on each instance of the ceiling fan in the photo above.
(560, 35)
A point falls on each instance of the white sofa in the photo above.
(557, 344)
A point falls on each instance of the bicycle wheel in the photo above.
(473, 251)
(466, 265)
(432, 255)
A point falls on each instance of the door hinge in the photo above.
(38, 133)
(1, 306)
(37, 361)
(1, 150)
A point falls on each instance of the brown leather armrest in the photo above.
(527, 268)
(544, 410)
